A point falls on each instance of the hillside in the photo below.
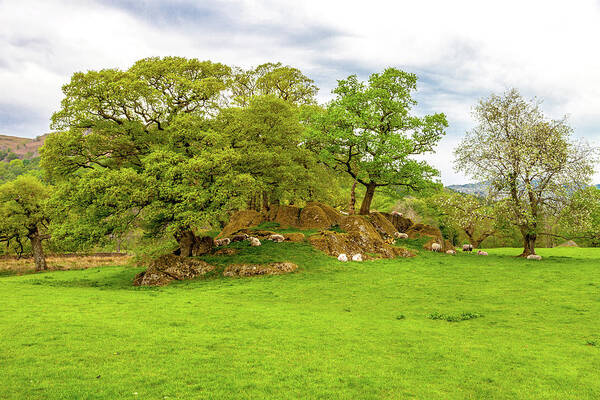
(23, 148)
(476, 189)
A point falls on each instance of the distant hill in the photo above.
(476, 189)
(17, 147)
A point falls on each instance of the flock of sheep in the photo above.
(436, 247)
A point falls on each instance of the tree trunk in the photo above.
(528, 244)
(351, 210)
(186, 240)
(265, 201)
(365, 207)
(38, 250)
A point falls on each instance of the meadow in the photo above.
(430, 327)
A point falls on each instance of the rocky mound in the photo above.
(168, 268)
(275, 268)
(335, 243)
(382, 225)
(241, 220)
(313, 217)
(400, 223)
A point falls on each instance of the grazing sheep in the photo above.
(254, 242)
(534, 257)
(400, 235)
(396, 213)
(239, 237)
(451, 251)
(357, 257)
(343, 257)
(222, 242)
(436, 247)
(467, 247)
(482, 253)
(277, 238)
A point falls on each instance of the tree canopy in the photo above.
(530, 162)
(368, 132)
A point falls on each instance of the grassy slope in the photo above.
(333, 330)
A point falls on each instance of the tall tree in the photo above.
(369, 132)
(24, 216)
(531, 162)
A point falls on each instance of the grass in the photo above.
(331, 331)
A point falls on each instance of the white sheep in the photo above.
(357, 257)
(254, 242)
(436, 247)
(343, 257)
(277, 238)
(534, 257)
(451, 251)
(467, 247)
(222, 242)
(400, 235)
(482, 253)
(396, 213)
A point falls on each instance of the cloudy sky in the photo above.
(460, 50)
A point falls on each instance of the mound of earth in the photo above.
(168, 268)
(275, 268)
(568, 243)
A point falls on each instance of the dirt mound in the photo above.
(568, 243)
(241, 220)
(335, 243)
(168, 268)
(275, 268)
(314, 217)
(382, 225)
(400, 223)
(294, 237)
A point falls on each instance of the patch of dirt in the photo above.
(168, 268)
(275, 268)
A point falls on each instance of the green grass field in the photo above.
(331, 331)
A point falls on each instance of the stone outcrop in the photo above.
(275, 268)
(382, 225)
(335, 243)
(400, 223)
(285, 216)
(168, 268)
(242, 220)
(314, 217)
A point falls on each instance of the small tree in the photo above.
(530, 161)
(23, 215)
(368, 132)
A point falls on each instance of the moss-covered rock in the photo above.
(335, 217)
(287, 216)
(168, 268)
(314, 217)
(335, 243)
(242, 220)
(275, 268)
(402, 224)
(382, 225)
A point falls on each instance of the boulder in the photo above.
(294, 237)
(400, 222)
(335, 217)
(203, 245)
(335, 243)
(168, 268)
(275, 268)
(241, 220)
(287, 216)
(313, 217)
(382, 225)
(360, 225)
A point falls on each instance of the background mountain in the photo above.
(476, 189)
(12, 147)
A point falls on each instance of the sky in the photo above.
(461, 51)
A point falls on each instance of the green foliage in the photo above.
(15, 168)
(368, 132)
(23, 210)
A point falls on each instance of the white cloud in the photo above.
(461, 50)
